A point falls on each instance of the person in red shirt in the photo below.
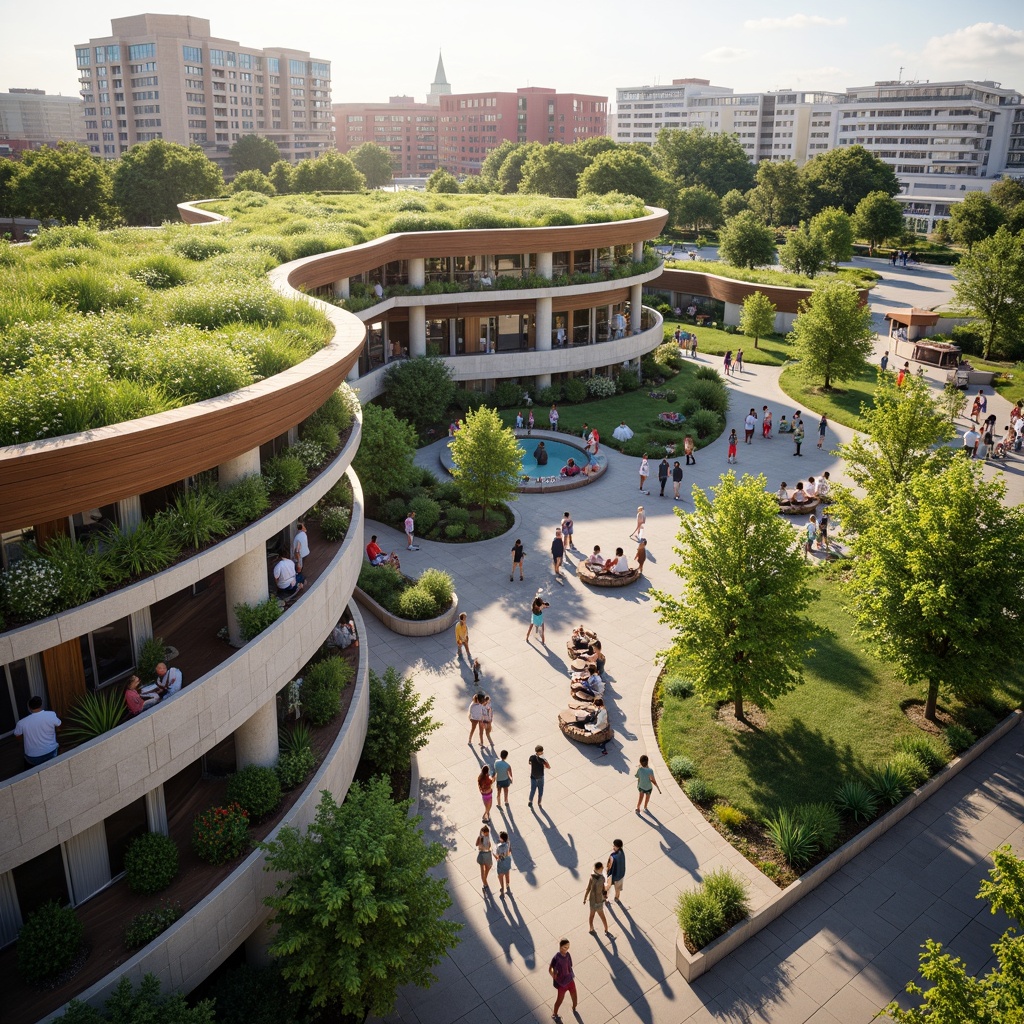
(375, 554)
(562, 977)
(134, 700)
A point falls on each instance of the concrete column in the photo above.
(341, 288)
(636, 294)
(545, 263)
(418, 272)
(245, 582)
(257, 945)
(256, 740)
(417, 328)
(638, 252)
(156, 811)
(542, 380)
(246, 464)
(543, 325)
(732, 313)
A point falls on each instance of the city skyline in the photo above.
(829, 52)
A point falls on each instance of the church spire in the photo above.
(439, 76)
(439, 87)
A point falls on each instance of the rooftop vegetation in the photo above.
(859, 276)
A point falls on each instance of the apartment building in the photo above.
(405, 128)
(163, 76)
(29, 118)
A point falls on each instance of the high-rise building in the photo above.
(163, 76)
(29, 118)
(407, 129)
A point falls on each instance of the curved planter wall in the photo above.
(409, 627)
(63, 797)
(189, 950)
(75, 622)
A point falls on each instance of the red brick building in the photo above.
(408, 130)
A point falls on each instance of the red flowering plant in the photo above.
(220, 833)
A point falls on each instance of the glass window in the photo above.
(40, 880)
(274, 65)
(121, 828)
(14, 695)
(107, 653)
(297, 67)
(320, 70)
(217, 57)
(192, 54)
(141, 51)
(82, 54)
(12, 544)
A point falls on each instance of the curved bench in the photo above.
(567, 723)
(606, 579)
(799, 510)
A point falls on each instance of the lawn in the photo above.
(860, 277)
(1010, 380)
(841, 404)
(844, 719)
(772, 350)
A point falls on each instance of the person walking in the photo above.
(487, 721)
(733, 441)
(38, 732)
(529, 424)
(596, 897)
(693, 345)
(798, 436)
(502, 776)
(688, 450)
(766, 422)
(568, 530)
(822, 427)
(557, 552)
(641, 519)
(645, 783)
(884, 361)
(677, 480)
(641, 555)
(812, 534)
(823, 532)
(485, 783)
(553, 416)
(537, 765)
(537, 616)
(749, 425)
(616, 868)
(663, 470)
(644, 473)
(739, 360)
(300, 546)
(484, 857)
(517, 560)
(410, 529)
(462, 638)
(563, 978)
(476, 718)
(727, 363)
(503, 855)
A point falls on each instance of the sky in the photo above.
(377, 52)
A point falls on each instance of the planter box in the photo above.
(409, 627)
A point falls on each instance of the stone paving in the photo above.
(838, 956)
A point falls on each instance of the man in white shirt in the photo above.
(168, 680)
(748, 427)
(971, 439)
(300, 546)
(288, 580)
(38, 732)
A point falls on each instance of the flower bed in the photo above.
(420, 607)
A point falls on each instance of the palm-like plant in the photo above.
(94, 714)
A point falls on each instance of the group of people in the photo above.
(900, 257)
(288, 576)
(733, 364)
(815, 490)
(138, 698)
(687, 342)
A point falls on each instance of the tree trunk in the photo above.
(932, 701)
(989, 341)
(755, 341)
(738, 705)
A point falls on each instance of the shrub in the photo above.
(978, 719)
(417, 603)
(383, 583)
(457, 514)
(710, 395)
(712, 908)
(400, 722)
(393, 510)
(93, 714)
(853, 797)
(679, 688)
(704, 423)
(822, 819)
(700, 791)
(31, 589)
(600, 387)
(439, 585)
(151, 863)
(729, 817)
(323, 434)
(574, 391)
(472, 532)
(913, 769)
(146, 549)
(340, 494)
(337, 411)
(926, 750)
(256, 789)
(245, 501)
(311, 454)
(681, 767)
(145, 927)
(294, 768)
(428, 513)
(296, 739)
(708, 373)
(220, 834)
(285, 473)
(198, 246)
(254, 618)
(48, 942)
(84, 569)
(454, 530)
(196, 518)
(152, 651)
(668, 357)
(507, 394)
(321, 688)
(627, 380)
(449, 492)
(334, 522)
(549, 395)
(959, 738)
(792, 838)
(888, 783)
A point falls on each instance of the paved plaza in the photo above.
(835, 958)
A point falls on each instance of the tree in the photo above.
(510, 173)
(359, 914)
(733, 202)
(937, 584)
(254, 153)
(384, 460)
(696, 156)
(142, 1007)
(443, 181)
(843, 177)
(625, 170)
(488, 459)
(400, 723)
(330, 172)
(878, 216)
(253, 181)
(1007, 194)
(420, 390)
(67, 184)
(738, 623)
(779, 196)
(833, 333)
(834, 228)
(153, 177)
(990, 285)
(803, 252)
(973, 219)
(10, 172)
(374, 163)
(698, 207)
(997, 997)
(757, 317)
(746, 242)
(282, 177)
(495, 158)
(553, 170)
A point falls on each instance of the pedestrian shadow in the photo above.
(646, 955)
(563, 848)
(509, 929)
(433, 813)
(625, 981)
(672, 846)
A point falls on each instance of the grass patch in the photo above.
(773, 350)
(1009, 380)
(843, 720)
(859, 276)
(841, 405)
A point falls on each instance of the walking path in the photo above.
(838, 956)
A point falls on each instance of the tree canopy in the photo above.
(330, 172)
(974, 218)
(359, 914)
(374, 163)
(878, 216)
(757, 316)
(510, 173)
(739, 624)
(419, 390)
(698, 207)
(844, 176)
(153, 177)
(254, 153)
(384, 460)
(625, 170)
(400, 722)
(832, 333)
(803, 252)
(67, 184)
(553, 170)
(695, 156)
(253, 181)
(834, 228)
(282, 177)
(492, 163)
(990, 285)
(488, 459)
(779, 197)
(142, 1006)
(746, 242)
(442, 181)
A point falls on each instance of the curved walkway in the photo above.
(838, 956)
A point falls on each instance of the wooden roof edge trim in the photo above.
(191, 214)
